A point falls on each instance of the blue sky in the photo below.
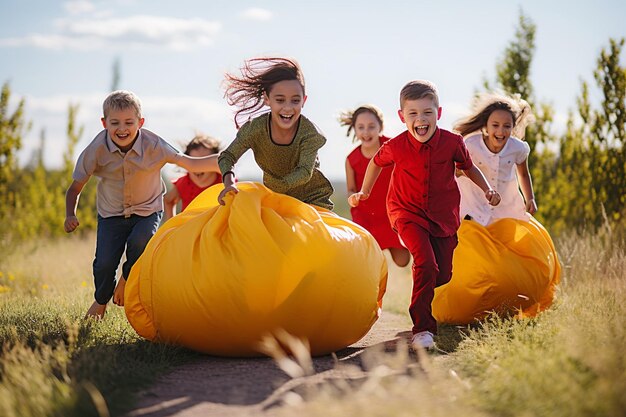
(173, 54)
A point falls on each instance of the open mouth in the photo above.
(421, 130)
(286, 118)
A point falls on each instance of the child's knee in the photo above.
(105, 266)
(137, 242)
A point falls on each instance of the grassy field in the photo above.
(54, 363)
(569, 361)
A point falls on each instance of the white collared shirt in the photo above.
(500, 171)
(129, 183)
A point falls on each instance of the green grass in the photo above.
(52, 362)
(569, 361)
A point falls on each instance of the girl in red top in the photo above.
(367, 123)
(190, 185)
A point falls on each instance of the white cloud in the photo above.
(255, 13)
(54, 42)
(134, 31)
(75, 7)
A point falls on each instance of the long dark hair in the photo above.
(348, 118)
(258, 76)
(487, 103)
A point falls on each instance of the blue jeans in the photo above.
(114, 235)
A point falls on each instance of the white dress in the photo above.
(500, 171)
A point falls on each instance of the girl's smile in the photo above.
(498, 130)
(285, 100)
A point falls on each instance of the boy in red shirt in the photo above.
(423, 198)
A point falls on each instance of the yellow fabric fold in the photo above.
(217, 279)
(508, 267)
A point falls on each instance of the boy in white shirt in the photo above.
(127, 160)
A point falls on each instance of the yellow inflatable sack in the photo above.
(508, 267)
(217, 279)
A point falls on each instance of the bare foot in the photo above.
(96, 311)
(118, 295)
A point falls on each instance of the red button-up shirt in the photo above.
(423, 186)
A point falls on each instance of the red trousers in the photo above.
(432, 267)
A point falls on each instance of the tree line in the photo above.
(579, 175)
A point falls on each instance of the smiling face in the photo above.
(367, 129)
(123, 126)
(420, 117)
(285, 100)
(499, 127)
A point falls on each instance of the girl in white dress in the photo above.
(505, 261)
(491, 135)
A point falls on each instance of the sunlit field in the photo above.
(54, 363)
(569, 361)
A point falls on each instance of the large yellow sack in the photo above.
(217, 279)
(510, 267)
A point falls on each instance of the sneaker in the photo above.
(423, 340)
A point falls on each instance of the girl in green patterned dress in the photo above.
(284, 142)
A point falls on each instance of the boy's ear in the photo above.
(439, 113)
(104, 122)
(401, 115)
(141, 121)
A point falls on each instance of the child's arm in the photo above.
(229, 157)
(169, 202)
(228, 178)
(350, 178)
(371, 175)
(71, 203)
(199, 163)
(526, 185)
(477, 177)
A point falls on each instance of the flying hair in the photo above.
(488, 102)
(258, 76)
(348, 117)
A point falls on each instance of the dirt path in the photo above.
(228, 387)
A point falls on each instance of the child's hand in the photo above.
(356, 198)
(71, 223)
(493, 197)
(531, 206)
(220, 198)
(118, 295)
